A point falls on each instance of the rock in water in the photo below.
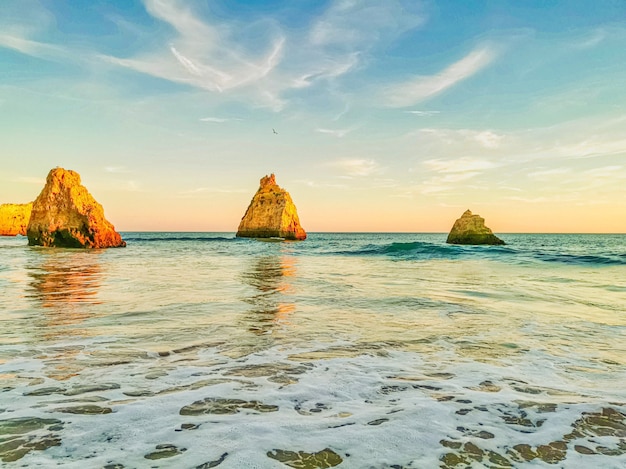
(14, 219)
(66, 215)
(271, 213)
(471, 229)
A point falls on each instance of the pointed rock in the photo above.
(14, 219)
(271, 213)
(471, 229)
(66, 215)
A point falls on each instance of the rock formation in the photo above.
(271, 213)
(14, 219)
(66, 215)
(471, 229)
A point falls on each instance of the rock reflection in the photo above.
(63, 283)
(272, 278)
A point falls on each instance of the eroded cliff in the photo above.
(66, 215)
(14, 219)
(271, 213)
(471, 229)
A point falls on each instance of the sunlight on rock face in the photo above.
(271, 213)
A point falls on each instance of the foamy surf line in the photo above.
(339, 403)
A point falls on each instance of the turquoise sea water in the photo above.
(376, 351)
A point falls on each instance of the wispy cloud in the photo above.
(219, 120)
(32, 48)
(350, 23)
(423, 113)
(591, 39)
(605, 171)
(548, 174)
(450, 172)
(208, 54)
(339, 133)
(420, 88)
(209, 190)
(317, 184)
(261, 62)
(357, 167)
(458, 165)
(485, 138)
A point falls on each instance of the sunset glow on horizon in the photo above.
(392, 116)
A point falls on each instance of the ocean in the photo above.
(199, 350)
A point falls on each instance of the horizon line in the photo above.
(386, 232)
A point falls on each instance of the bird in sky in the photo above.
(273, 130)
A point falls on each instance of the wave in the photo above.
(415, 249)
(424, 251)
(587, 259)
(521, 253)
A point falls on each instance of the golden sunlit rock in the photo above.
(271, 213)
(471, 229)
(66, 215)
(14, 219)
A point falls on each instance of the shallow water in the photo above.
(349, 350)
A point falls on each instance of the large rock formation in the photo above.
(14, 219)
(471, 229)
(66, 215)
(271, 213)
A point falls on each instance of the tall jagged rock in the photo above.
(14, 219)
(66, 215)
(471, 229)
(271, 213)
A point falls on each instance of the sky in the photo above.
(389, 116)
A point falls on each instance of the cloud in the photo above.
(420, 88)
(192, 64)
(423, 113)
(451, 172)
(219, 120)
(587, 138)
(315, 184)
(262, 61)
(217, 55)
(548, 174)
(485, 138)
(458, 165)
(357, 167)
(604, 172)
(591, 40)
(32, 48)
(488, 139)
(209, 190)
(348, 24)
(591, 147)
(445, 183)
(339, 133)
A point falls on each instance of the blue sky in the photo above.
(391, 116)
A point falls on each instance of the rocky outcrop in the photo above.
(471, 229)
(14, 219)
(271, 213)
(66, 215)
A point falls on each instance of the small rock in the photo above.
(271, 214)
(471, 229)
